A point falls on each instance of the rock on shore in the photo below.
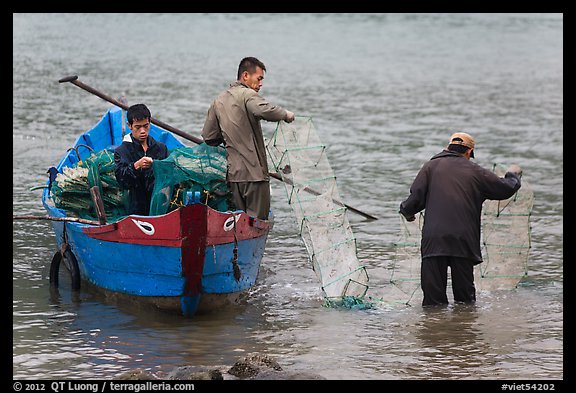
(252, 367)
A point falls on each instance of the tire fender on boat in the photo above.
(71, 264)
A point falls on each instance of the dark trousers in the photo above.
(252, 197)
(434, 280)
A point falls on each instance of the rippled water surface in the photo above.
(385, 91)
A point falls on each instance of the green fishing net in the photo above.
(351, 302)
(198, 171)
(71, 188)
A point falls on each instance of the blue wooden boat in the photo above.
(189, 260)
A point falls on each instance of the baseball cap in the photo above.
(464, 139)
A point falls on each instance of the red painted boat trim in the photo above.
(169, 230)
(221, 227)
(146, 230)
(194, 226)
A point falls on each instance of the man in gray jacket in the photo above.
(452, 190)
(234, 119)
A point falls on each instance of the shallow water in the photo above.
(385, 92)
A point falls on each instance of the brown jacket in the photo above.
(234, 118)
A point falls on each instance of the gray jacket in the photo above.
(234, 119)
(452, 189)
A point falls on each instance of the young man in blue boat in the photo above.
(234, 119)
(134, 159)
(452, 189)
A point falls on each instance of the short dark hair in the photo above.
(249, 64)
(138, 112)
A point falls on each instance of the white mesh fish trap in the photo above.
(505, 238)
(299, 156)
(405, 271)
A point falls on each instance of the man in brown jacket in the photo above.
(452, 189)
(234, 119)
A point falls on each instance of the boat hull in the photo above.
(188, 278)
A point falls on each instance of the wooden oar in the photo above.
(74, 80)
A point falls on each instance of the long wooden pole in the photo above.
(68, 219)
(74, 80)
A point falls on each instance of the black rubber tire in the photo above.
(55, 268)
(71, 264)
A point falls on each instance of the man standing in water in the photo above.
(134, 157)
(452, 190)
(234, 119)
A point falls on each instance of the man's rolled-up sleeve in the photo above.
(262, 109)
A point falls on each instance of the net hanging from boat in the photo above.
(299, 156)
(505, 232)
